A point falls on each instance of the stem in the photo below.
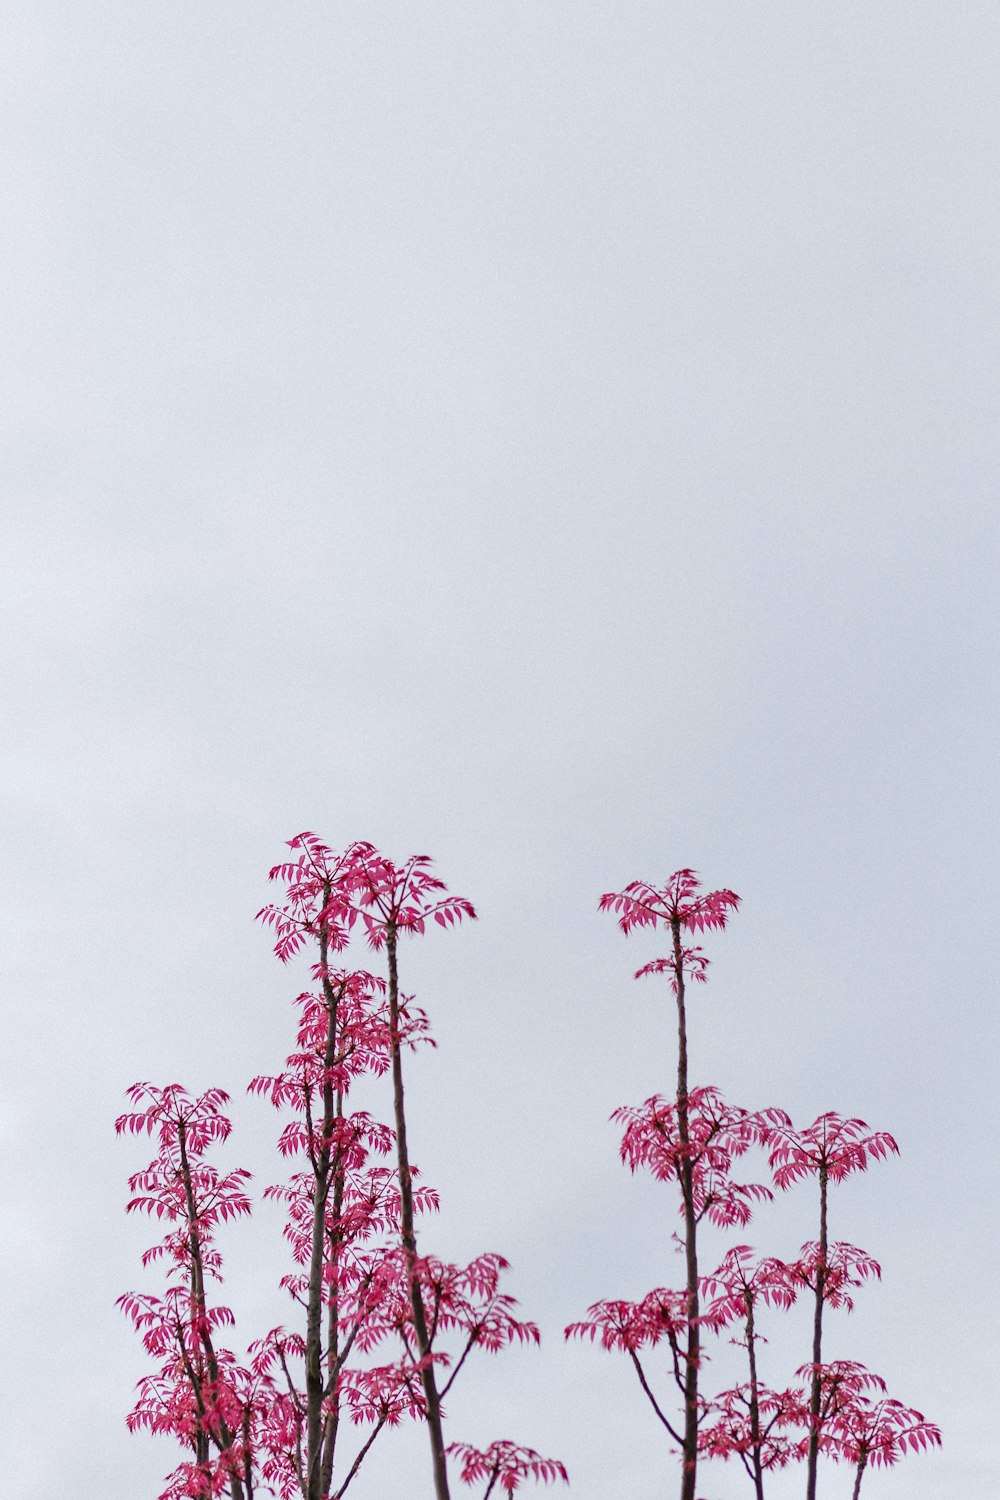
(690, 1447)
(469, 1346)
(857, 1481)
(817, 1347)
(247, 1464)
(333, 1356)
(652, 1399)
(432, 1399)
(224, 1438)
(320, 1159)
(755, 1443)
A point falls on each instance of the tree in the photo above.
(863, 1428)
(342, 1212)
(199, 1395)
(751, 1421)
(681, 1140)
(717, 1134)
(829, 1149)
(391, 900)
(341, 1201)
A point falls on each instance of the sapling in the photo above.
(829, 1149)
(678, 907)
(199, 1394)
(430, 1298)
(862, 1425)
(750, 1421)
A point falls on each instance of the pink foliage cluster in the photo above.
(717, 1133)
(198, 1394)
(677, 902)
(832, 1144)
(507, 1464)
(728, 1430)
(629, 1326)
(861, 1424)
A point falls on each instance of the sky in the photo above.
(559, 438)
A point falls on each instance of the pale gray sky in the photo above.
(561, 438)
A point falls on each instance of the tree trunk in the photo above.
(857, 1478)
(223, 1438)
(815, 1390)
(693, 1354)
(758, 1470)
(432, 1399)
(317, 1471)
(331, 1426)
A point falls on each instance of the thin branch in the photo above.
(360, 1458)
(653, 1401)
(465, 1354)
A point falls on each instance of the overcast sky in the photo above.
(562, 438)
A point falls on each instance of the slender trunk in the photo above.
(758, 1468)
(319, 1153)
(857, 1478)
(815, 1391)
(223, 1436)
(432, 1399)
(247, 1455)
(693, 1354)
(331, 1426)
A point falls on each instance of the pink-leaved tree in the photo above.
(829, 1149)
(860, 1424)
(690, 1139)
(198, 1394)
(343, 1204)
(749, 1421)
(424, 1302)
